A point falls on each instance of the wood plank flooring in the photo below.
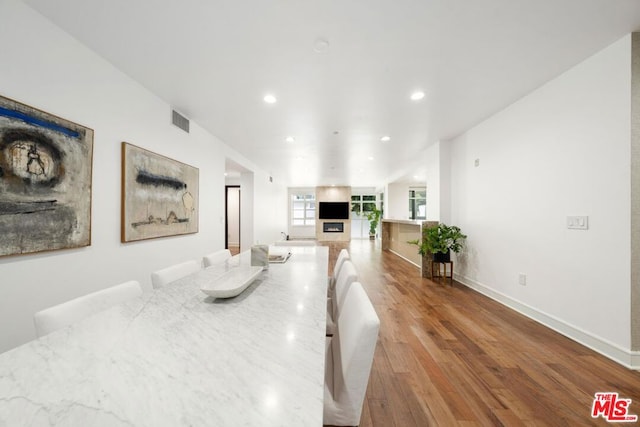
(449, 356)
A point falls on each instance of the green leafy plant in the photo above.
(373, 216)
(440, 239)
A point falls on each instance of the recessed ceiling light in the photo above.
(417, 96)
(270, 99)
(370, 157)
(290, 139)
(385, 138)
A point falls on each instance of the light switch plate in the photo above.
(578, 222)
(522, 279)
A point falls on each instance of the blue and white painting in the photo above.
(45, 181)
(159, 195)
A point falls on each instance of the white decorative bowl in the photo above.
(232, 282)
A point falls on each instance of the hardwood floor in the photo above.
(449, 356)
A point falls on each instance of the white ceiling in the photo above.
(215, 60)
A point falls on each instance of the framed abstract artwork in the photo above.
(159, 195)
(45, 181)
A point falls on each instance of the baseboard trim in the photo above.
(627, 358)
(404, 258)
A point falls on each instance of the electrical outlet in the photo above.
(522, 279)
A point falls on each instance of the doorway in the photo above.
(232, 219)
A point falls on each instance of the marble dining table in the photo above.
(178, 357)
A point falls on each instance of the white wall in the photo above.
(397, 202)
(445, 184)
(46, 68)
(433, 178)
(562, 150)
(270, 209)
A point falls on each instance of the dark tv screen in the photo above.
(333, 210)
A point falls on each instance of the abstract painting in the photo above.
(45, 181)
(159, 195)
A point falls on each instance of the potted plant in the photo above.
(373, 216)
(440, 241)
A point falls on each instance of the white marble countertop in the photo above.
(417, 222)
(177, 357)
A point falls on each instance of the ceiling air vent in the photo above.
(180, 121)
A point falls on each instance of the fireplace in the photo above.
(333, 227)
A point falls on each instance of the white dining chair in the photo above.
(217, 257)
(349, 358)
(166, 275)
(346, 277)
(343, 255)
(67, 313)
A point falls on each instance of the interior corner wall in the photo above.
(246, 210)
(562, 150)
(433, 164)
(46, 68)
(635, 193)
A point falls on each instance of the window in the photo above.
(361, 204)
(418, 203)
(303, 209)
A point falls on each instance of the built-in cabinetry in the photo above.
(396, 233)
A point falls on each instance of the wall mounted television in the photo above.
(333, 210)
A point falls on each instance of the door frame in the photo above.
(226, 214)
